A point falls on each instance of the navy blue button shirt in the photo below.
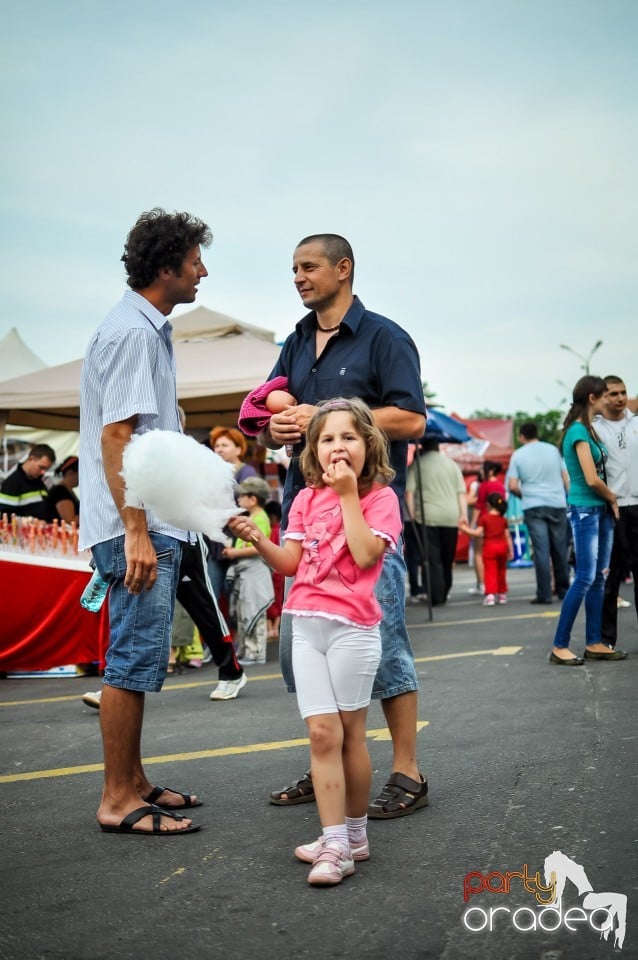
(370, 357)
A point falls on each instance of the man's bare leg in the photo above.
(405, 791)
(401, 716)
(121, 716)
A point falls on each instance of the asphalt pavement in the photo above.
(523, 758)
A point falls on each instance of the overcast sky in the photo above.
(480, 155)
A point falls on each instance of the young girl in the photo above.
(497, 547)
(593, 511)
(339, 528)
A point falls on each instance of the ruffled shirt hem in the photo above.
(326, 615)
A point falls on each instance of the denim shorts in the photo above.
(140, 626)
(396, 673)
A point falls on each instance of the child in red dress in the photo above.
(497, 548)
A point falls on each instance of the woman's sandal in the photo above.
(299, 791)
(399, 797)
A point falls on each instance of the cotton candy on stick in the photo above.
(183, 482)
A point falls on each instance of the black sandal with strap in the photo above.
(399, 797)
(299, 791)
(127, 825)
(186, 803)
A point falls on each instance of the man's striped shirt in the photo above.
(129, 370)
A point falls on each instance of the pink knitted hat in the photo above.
(254, 415)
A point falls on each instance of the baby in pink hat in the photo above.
(259, 405)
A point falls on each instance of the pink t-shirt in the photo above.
(328, 582)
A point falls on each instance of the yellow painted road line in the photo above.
(169, 686)
(380, 734)
(498, 651)
(549, 615)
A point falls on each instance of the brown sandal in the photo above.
(299, 791)
(399, 797)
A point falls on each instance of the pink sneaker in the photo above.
(307, 852)
(490, 600)
(331, 865)
(502, 598)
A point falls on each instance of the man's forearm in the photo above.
(115, 437)
(398, 424)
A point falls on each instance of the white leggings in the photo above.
(334, 664)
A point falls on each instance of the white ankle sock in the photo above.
(357, 828)
(337, 834)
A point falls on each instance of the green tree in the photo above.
(489, 415)
(549, 424)
(427, 393)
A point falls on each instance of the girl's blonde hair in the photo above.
(376, 467)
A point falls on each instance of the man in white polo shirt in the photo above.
(618, 430)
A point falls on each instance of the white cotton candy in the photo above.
(182, 481)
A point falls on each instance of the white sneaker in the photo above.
(502, 598)
(620, 602)
(92, 699)
(490, 600)
(331, 865)
(307, 852)
(477, 591)
(228, 689)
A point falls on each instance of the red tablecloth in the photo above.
(42, 624)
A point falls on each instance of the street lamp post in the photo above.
(586, 360)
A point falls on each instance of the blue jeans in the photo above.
(139, 645)
(396, 673)
(547, 528)
(593, 532)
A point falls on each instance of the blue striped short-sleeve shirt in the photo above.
(129, 370)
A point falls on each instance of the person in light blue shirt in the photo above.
(127, 387)
(538, 476)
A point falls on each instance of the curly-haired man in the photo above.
(127, 387)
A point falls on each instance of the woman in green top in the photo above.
(593, 512)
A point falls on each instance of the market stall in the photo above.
(42, 624)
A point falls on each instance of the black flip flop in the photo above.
(186, 800)
(128, 823)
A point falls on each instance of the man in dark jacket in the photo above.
(24, 491)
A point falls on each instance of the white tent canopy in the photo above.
(16, 358)
(219, 360)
